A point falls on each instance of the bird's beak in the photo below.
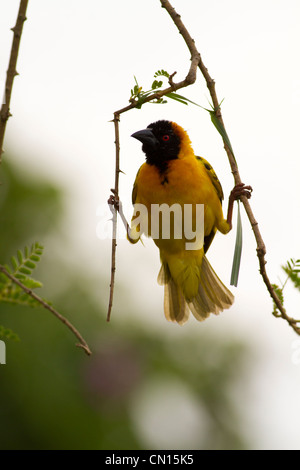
(147, 137)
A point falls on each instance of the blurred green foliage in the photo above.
(52, 396)
(292, 270)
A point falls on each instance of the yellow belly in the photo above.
(185, 183)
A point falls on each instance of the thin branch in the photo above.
(116, 121)
(11, 71)
(261, 249)
(82, 344)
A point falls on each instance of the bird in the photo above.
(173, 176)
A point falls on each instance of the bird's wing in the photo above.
(215, 181)
(213, 177)
(135, 189)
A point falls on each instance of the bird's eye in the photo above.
(166, 138)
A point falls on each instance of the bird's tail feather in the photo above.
(175, 306)
(212, 295)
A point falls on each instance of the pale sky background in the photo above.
(77, 61)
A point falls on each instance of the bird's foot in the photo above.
(114, 202)
(241, 190)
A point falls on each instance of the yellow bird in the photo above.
(174, 177)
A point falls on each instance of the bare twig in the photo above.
(82, 344)
(11, 71)
(115, 216)
(261, 249)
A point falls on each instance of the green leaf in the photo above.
(237, 251)
(176, 97)
(8, 268)
(189, 101)
(29, 264)
(292, 271)
(23, 266)
(35, 258)
(221, 129)
(20, 256)
(161, 73)
(20, 276)
(32, 283)
(156, 84)
(8, 334)
(14, 263)
(25, 271)
(218, 125)
(279, 292)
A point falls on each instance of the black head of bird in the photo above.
(160, 143)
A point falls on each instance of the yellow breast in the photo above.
(185, 182)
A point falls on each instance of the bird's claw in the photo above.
(113, 202)
(241, 190)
